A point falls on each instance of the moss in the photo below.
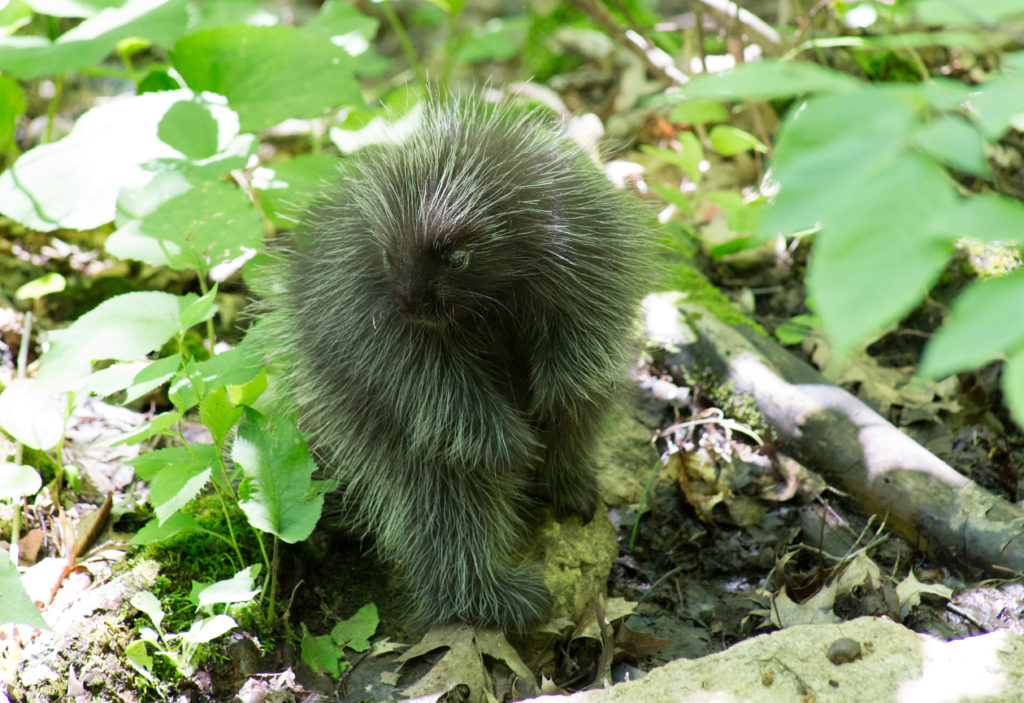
(700, 291)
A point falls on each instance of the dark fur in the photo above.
(456, 316)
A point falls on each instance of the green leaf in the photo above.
(793, 330)
(1013, 385)
(218, 414)
(12, 107)
(998, 104)
(150, 605)
(688, 158)
(978, 328)
(138, 656)
(248, 393)
(497, 39)
(954, 14)
(672, 195)
(123, 328)
(355, 633)
(287, 188)
(208, 629)
(953, 141)
(161, 21)
(728, 140)
(320, 653)
(17, 481)
(33, 413)
(175, 483)
(16, 606)
(277, 494)
(832, 146)
(153, 531)
(881, 249)
(158, 425)
(189, 127)
(989, 217)
(38, 287)
(73, 183)
(268, 74)
(768, 80)
(240, 588)
(198, 229)
(338, 20)
(699, 111)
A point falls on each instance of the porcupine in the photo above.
(456, 316)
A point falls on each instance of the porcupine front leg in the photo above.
(457, 533)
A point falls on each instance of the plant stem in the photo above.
(403, 39)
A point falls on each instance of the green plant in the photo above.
(172, 169)
(181, 649)
(870, 168)
(327, 652)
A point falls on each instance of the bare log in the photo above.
(848, 443)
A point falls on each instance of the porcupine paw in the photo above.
(513, 601)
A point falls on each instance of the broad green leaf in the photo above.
(16, 606)
(189, 127)
(218, 414)
(699, 111)
(17, 481)
(989, 217)
(286, 188)
(153, 531)
(998, 104)
(337, 20)
(320, 652)
(161, 21)
(980, 327)
(160, 424)
(33, 413)
(135, 377)
(355, 633)
(248, 393)
(497, 39)
(1013, 385)
(209, 629)
(71, 8)
(207, 225)
(199, 310)
(277, 494)
(73, 183)
(955, 14)
(672, 195)
(12, 107)
(954, 142)
(123, 328)
(174, 485)
(881, 249)
(150, 605)
(268, 74)
(138, 656)
(688, 158)
(828, 149)
(233, 367)
(768, 80)
(240, 588)
(38, 287)
(728, 140)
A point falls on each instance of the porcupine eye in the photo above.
(458, 259)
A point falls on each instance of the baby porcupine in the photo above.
(456, 316)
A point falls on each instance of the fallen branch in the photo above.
(848, 443)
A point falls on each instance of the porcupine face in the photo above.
(453, 253)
